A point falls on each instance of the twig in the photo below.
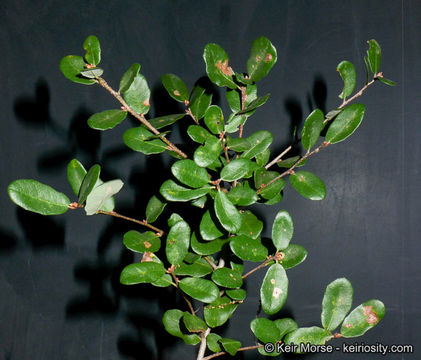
(188, 112)
(243, 106)
(279, 157)
(171, 271)
(140, 117)
(202, 348)
(240, 349)
(211, 263)
(263, 264)
(140, 222)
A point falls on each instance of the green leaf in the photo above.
(242, 195)
(92, 73)
(178, 242)
(193, 323)
(265, 330)
(207, 248)
(285, 326)
(107, 119)
(238, 144)
(138, 94)
(217, 68)
(218, 312)
(274, 290)
(165, 120)
(174, 192)
(332, 114)
(214, 119)
(199, 102)
(251, 225)
(262, 177)
(164, 281)
(198, 268)
(231, 346)
(261, 100)
(138, 273)
(154, 208)
(228, 278)
(386, 81)
(263, 158)
(234, 100)
(198, 133)
(282, 230)
(129, 77)
(259, 142)
(71, 66)
(349, 76)
(200, 289)
(234, 121)
(248, 249)
(308, 185)
(313, 335)
(374, 56)
(99, 195)
(227, 213)
(89, 182)
(236, 294)
(277, 198)
(189, 173)
(175, 87)
(212, 342)
(174, 219)
(287, 163)
(75, 174)
(137, 140)
(313, 126)
(208, 228)
(262, 58)
(171, 321)
(236, 169)
(337, 302)
(200, 202)
(345, 123)
(93, 50)
(363, 318)
(141, 242)
(209, 153)
(37, 197)
(293, 255)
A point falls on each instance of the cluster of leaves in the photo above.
(223, 176)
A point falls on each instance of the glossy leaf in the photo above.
(259, 142)
(193, 323)
(208, 229)
(236, 169)
(138, 273)
(332, 114)
(263, 158)
(265, 330)
(262, 177)
(89, 182)
(248, 249)
(231, 346)
(227, 213)
(277, 198)
(107, 119)
(198, 268)
(138, 94)
(345, 123)
(212, 342)
(217, 68)
(93, 50)
(337, 302)
(128, 77)
(164, 281)
(207, 154)
(282, 327)
(99, 195)
(313, 126)
(218, 312)
(262, 58)
(71, 66)
(349, 76)
(228, 278)
(386, 81)
(37, 197)
(233, 122)
(75, 174)
(189, 173)
(282, 230)
(200, 289)
(236, 294)
(308, 185)
(141, 242)
(174, 192)
(214, 119)
(287, 163)
(178, 242)
(200, 202)
(293, 255)
(242, 195)
(206, 248)
(261, 100)
(165, 120)
(171, 321)
(374, 56)
(198, 133)
(313, 335)
(154, 208)
(137, 140)
(274, 290)
(238, 144)
(175, 87)
(251, 225)
(199, 102)
(363, 318)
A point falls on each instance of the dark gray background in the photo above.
(59, 291)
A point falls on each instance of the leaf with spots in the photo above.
(308, 185)
(293, 255)
(214, 119)
(141, 242)
(139, 273)
(274, 290)
(228, 278)
(217, 67)
(337, 302)
(178, 242)
(251, 225)
(138, 94)
(262, 58)
(175, 87)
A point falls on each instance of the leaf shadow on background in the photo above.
(8, 241)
